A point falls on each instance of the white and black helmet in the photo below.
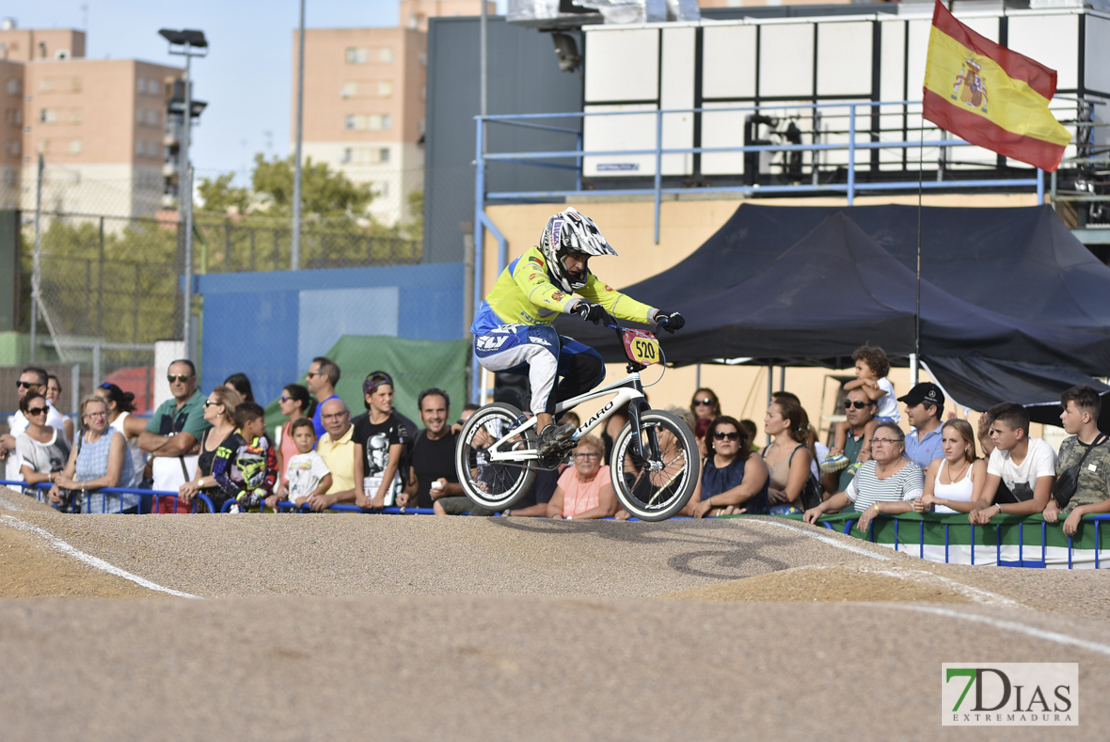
(570, 232)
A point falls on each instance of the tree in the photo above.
(220, 197)
(324, 192)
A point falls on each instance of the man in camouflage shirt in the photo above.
(1092, 494)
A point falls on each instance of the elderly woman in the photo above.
(789, 454)
(42, 450)
(585, 490)
(219, 412)
(884, 485)
(99, 459)
(954, 482)
(732, 479)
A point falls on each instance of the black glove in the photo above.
(592, 313)
(669, 321)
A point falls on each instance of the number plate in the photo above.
(641, 347)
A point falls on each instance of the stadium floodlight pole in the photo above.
(295, 248)
(187, 43)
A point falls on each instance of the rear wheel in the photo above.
(660, 486)
(494, 485)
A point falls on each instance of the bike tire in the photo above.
(494, 486)
(659, 493)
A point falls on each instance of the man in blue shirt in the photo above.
(924, 407)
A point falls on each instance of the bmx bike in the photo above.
(654, 464)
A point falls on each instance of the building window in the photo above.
(385, 88)
(383, 154)
(352, 122)
(422, 57)
(15, 87)
(75, 116)
(152, 117)
(75, 146)
(141, 85)
(140, 116)
(357, 54)
(350, 89)
(139, 148)
(48, 116)
(347, 156)
(379, 122)
(385, 55)
(17, 119)
(46, 85)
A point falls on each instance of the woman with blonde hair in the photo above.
(98, 459)
(953, 483)
(219, 412)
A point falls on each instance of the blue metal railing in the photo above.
(148, 500)
(850, 188)
(846, 526)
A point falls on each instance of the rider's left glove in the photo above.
(669, 321)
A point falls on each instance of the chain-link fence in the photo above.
(110, 286)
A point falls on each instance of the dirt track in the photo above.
(348, 627)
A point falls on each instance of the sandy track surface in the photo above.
(353, 627)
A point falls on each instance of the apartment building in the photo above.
(99, 124)
(364, 94)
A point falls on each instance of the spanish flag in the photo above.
(991, 96)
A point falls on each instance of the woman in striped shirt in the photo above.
(885, 485)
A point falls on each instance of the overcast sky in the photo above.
(247, 78)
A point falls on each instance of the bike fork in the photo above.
(641, 457)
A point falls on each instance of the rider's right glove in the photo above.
(592, 313)
(669, 321)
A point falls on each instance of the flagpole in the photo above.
(916, 357)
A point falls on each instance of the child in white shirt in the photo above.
(306, 472)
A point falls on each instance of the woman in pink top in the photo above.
(584, 489)
(294, 404)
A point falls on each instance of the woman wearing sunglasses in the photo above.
(705, 404)
(219, 412)
(885, 485)
(294, 403)
(42, 450)
(98, 459)
(732, 479)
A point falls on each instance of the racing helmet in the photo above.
(570, 232)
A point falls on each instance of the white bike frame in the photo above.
(627, 389)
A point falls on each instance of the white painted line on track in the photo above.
(995, 623)
(822, 538)
(88, 559)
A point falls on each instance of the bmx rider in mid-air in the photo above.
(512, 329)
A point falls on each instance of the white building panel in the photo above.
(623, 65)
(844, 58)
(786, 59)
(1097, 68)
(1052, 40)
(724, 129)
(679, 52)
(616, 133)
(728, 62)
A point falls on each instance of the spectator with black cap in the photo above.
(924, 407)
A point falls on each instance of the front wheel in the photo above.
(494, 485)
(660, 486)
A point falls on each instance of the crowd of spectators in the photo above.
(319, 456)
